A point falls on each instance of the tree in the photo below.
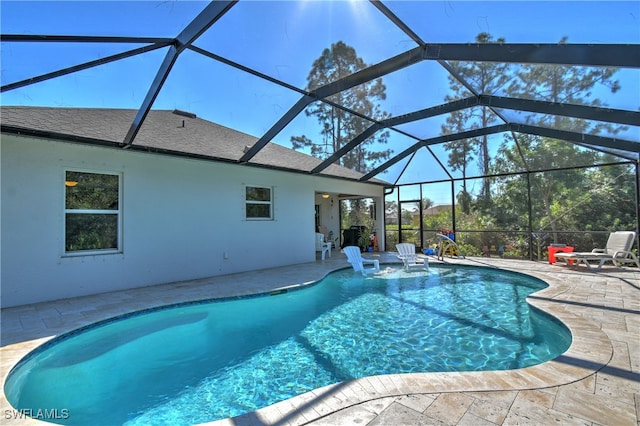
(559, 197)
(561, 84)
(585, 199)
(338, 127)
(483, 77)
(553, 193)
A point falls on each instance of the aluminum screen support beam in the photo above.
(370, 131)
(567, 110)
(574, 54)
(246, 69)
(384, 166)
(395, 121)
(542, 107)
(432, 141)
(637, 170)
(276, 128)
(397, 21)
(519, 148)
(579, 138)
(385, 67)
(432, 111)
(83, 66)
(161, 76)
(466, 134)
(201, 23)
(602, 55)
(530, 214)
(413, 155)
(380, 69)
(43, 38)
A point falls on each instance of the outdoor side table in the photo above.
(553, 250)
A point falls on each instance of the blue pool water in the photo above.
(199, 362)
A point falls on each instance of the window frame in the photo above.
(270, 203)
(117, 212)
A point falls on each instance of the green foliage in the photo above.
(357, 212)
(483, 77)
(91, 232)
(563, 195)
(440, 220)
(469, 249)
(552, 187)
(258, 202)
(91, 191)
(91, 218)
(391, 238)
(338, 126)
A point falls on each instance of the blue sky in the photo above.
(282, 39)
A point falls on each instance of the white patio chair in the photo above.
(322, 246)
(617, 251)
(354, 257)
(407, 253)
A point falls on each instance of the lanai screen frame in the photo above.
(530, 231)
(597, 55)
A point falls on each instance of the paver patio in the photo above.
(596, 382)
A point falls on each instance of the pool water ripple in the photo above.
(201, 362)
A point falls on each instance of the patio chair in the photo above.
(354, 257)
(617, 251)
(447, 246)
(321, 245)
(407, 253)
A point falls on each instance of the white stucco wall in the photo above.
(182, 219)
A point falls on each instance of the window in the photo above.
(92, 211)
(259, 202)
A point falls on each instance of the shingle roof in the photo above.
(162, 130)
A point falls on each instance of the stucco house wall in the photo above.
(181, 219)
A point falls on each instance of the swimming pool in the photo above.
(203, 361)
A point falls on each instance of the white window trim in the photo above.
(118, 213)
(270, 203)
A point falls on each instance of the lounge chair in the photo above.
(447, 246)
(407, 253)
(617, 251)
(321, 245)
(354, 257)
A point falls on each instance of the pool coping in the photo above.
(577, 363)
(590, 350)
